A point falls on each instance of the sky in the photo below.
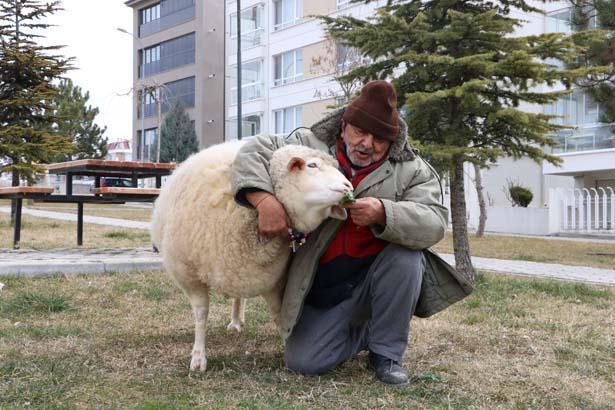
(103, 57)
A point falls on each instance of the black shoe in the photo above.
(387, 370)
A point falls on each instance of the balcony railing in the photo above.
(165, 22)
(169, 63)
(584, 139)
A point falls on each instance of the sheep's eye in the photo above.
(312, 165)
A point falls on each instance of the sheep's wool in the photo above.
(222, 247)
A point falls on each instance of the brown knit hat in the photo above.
(375, 110)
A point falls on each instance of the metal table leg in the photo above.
(158, 181)
(17, 231)
(69, 184)
(79, 223)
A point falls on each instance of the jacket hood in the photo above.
(327, 130)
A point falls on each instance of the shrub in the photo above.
(517, 194)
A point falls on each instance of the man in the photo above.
(355, 285)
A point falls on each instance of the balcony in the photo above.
(594, 138)
(167, 21)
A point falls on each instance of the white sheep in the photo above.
(208, 241)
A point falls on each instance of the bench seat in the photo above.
(125, 191)
(26, 190)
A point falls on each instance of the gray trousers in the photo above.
(376, 317)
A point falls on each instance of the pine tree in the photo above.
(75, 119)
(27, 70)
(461, 77)
(178, 137)
(594, 23)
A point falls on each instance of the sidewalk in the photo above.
(77, 261)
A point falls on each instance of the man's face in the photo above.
(362, 147)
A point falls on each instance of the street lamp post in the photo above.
(239, 113)
(142, 142)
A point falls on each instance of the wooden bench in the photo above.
(125, 191)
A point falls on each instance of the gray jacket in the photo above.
(406, 186)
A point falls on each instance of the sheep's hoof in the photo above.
(198, 362)
(234, 327)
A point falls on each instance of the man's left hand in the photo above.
(367, 211)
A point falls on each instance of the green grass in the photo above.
(124, 341)
(124, 234)
(32, 303)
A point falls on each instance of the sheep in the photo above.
(209, 242)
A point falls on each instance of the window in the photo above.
(348, 58)
(180, 90)
(166, 14)
(251, 28)
(559, 21)
(287, 119)
(287, 13)
(150, 14)
(288, 67)
(343, 4)
(250, 126)
(576, 109)
(149, 153)
(251, 81)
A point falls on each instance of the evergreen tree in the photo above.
(27, 70)
(75, 119)
(178, 137)
(461, 77)
(594, 23)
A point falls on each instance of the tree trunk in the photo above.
(461, 243)
(482, 219)
(14, 182)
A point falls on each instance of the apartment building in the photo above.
(177, 52)
(287, 63)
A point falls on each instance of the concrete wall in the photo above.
(522, 221)
(315, 111)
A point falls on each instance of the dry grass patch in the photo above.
(125, 340)
(134, 212)
(44, 233)
(537, 250)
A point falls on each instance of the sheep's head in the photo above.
(309, 185)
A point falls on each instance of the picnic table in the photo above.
(100, 195)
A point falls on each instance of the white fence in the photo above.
(582, 210)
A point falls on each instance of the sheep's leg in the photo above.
(199, 300)
(274, 300)
(238, 315)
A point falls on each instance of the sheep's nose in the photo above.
(348, 185)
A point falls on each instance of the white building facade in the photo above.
(287, 63)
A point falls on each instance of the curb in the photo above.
(77, 267)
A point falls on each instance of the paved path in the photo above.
(99, 220)
(543, 270)
(29, 262)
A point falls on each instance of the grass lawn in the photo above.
(44, 233)
(537, 250)
(124, 341)
(119, 211)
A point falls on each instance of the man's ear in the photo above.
(337, 212)
(296, 164)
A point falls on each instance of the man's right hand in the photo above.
(272, 217)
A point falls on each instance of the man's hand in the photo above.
(367, 211)
(272, 217)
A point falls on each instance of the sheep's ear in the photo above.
(296, 164)
(337, 212)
